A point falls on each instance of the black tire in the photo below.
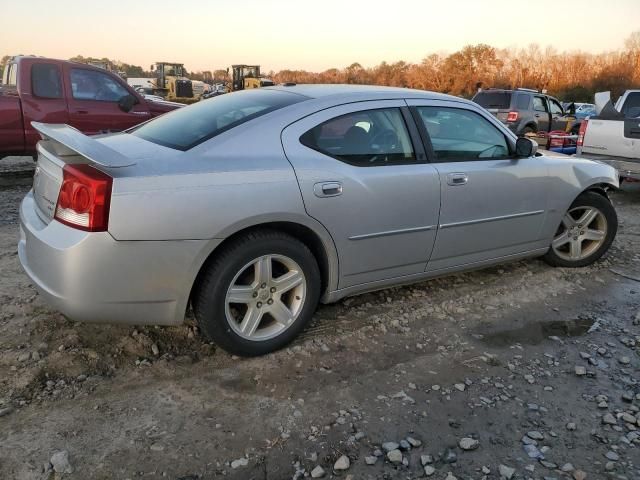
(209, 297)
(602, 203)
(527, 130)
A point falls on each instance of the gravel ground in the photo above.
(517, 372)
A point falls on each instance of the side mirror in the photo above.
(525, 147)
(126, 103)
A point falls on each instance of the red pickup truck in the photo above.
(88, 98)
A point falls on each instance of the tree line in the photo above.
(571, 76)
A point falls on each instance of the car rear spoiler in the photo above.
(68, 141)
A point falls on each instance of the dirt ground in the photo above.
(519, 371)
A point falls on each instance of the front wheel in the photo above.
(258, 294)
(585, 233)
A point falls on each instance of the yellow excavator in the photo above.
(171, 83)
(246, 77)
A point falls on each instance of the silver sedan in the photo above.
(254, 206)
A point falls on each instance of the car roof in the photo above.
(335, 91)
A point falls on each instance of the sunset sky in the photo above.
(278, 34)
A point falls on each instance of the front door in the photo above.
(559, 120)
(493, 205)
(366, 181)
(93, 103)
(541, 112)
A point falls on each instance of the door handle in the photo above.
(327, 189)
(455, 179)
(537, 115)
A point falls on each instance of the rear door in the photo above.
(541, 112)
(363, 175)
(42, 96)
(492, 205)
(93, 102)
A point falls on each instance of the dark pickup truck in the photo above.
(88, 98)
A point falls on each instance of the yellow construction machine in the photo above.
(172, 83)
(246, 77)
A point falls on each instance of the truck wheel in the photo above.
(258, 294)
(585, 232)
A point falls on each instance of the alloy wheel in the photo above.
(265, 297)
(582, 231)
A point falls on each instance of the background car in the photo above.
(253, 206)
(526, 111)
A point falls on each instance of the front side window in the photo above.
(46, 81)
(555, 107)
(369, 138)
(539, 104)
(187, 127)
(92, 85)
(459, 135)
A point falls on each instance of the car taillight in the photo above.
(512, 117)
(583, 128)
(84, 198)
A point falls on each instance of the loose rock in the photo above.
(468, 443)
(60, 462)
(317, 472)
(506, 472)
(343, 463)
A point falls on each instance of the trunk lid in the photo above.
(62, 145)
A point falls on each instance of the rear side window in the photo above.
(370, 138)
(493, 99)
(555, 107)
(187, 127)
(459, 135)
(46, 81)
(522, 101)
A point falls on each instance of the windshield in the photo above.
(187, 127)
(493, 99)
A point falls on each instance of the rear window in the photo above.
(493, 99)
(187, 127)
(631, 104)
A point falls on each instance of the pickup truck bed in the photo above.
(613, 137)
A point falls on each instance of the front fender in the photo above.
(568, 178)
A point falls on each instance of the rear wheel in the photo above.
(585, 233)
(258, 294)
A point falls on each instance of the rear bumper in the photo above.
(626, 167)
(91, 277)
